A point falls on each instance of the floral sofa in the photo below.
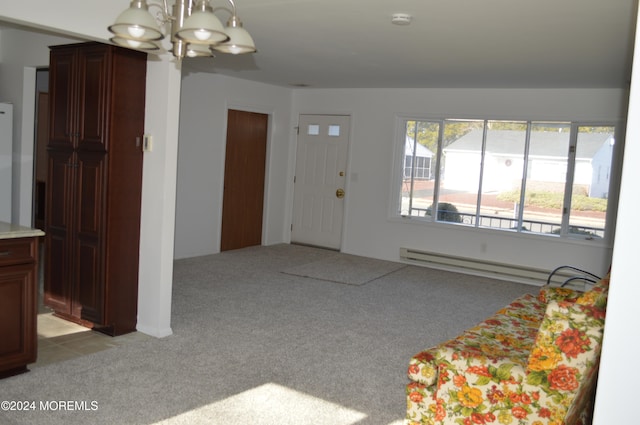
(533, 362)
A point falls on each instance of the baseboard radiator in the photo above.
(511, 272)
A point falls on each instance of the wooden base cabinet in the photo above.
(93, 195)
(18, 304)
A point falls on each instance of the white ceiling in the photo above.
(450, 43)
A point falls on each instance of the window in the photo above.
(334, 130)
(547, 178)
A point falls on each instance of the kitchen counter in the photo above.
(10, 231)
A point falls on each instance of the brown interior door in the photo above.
(244, 178)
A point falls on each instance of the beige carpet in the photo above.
(345, 268)
(253, 345)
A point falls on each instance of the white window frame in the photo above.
(398, 169)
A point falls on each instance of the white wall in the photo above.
(6, 154)
(22, 53)
(203, 132)
(61, 18)
(616, 396)
(368, 229)
(157, 226)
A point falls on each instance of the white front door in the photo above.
(321, 161)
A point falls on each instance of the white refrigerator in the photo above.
(6, 159)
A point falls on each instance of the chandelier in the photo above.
(195, 30)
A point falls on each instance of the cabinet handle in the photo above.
(5, 253)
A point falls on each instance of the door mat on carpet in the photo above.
(346, 268)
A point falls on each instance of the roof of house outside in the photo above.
(542, 144)
(421, 150)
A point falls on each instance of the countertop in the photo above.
(10, 231)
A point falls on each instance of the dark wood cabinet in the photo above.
(18, 304)
(93, 195)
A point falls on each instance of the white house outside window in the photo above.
(549, 178)
(421, 156)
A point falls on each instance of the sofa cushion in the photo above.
(508, 334)
(566, 353)
(570, 333)
(600, 288)
(550, 293)
(527, 307)
(596, 297)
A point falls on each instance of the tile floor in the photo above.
(60, 340)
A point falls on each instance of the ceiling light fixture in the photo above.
(195, 30)
(401, 19)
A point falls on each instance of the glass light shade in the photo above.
(137, 23)
(202, 27)
(198, 51)
(134, 44)
(240, 41)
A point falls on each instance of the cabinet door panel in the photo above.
(59, 193)
(62, 95)
(88, 303)
(59, 229)
(11, 315)
(90, 197)
(89, 292)
(93, 93)
(57, 288)
(17, 316)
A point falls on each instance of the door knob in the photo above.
(340, 193)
